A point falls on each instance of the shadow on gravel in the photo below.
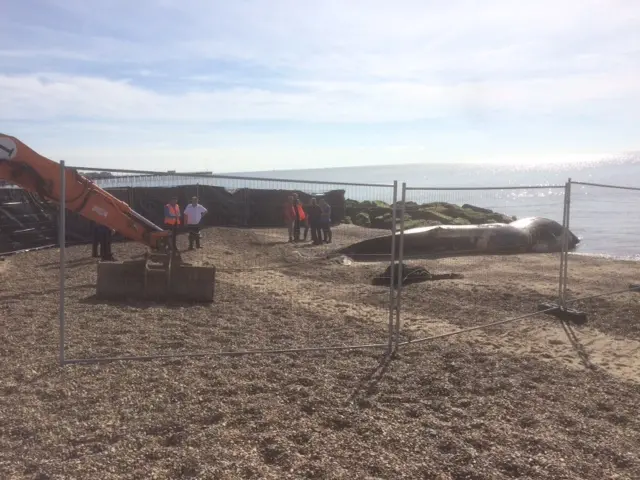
(81, 262)
(267, 243)
(368, 384)
(131, 302)
(577, 346)
(22, 295)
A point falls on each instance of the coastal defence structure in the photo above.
(26, 222)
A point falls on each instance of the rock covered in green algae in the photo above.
(378, 214)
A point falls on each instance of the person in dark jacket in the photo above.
(325, 221)
(290, 216)
(314, 213)
(102, 241)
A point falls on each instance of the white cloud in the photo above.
(42, 97)
(335, 38)
(350, 61)
(331, 61)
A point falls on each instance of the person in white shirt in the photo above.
(193, 213)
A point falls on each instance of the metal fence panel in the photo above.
(451, 281)
(276, 296)
(605, 218)
(272, 295)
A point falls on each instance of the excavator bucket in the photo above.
(159, 277)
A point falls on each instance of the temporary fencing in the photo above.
(271, 295)
(608, 213)
(605, 219)
(470, 256)
(276, 296)
(430, 313)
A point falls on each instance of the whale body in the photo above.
(528, 235)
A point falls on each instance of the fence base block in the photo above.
(570, 314)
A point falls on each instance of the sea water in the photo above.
(605, 219)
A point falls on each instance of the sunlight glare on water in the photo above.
(606, 219)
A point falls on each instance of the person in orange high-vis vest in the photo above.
(172, 219)
(294, 215)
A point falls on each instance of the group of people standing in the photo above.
(173, 219)
(193, 213)
(315, 217)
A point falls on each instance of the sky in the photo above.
(251, 85)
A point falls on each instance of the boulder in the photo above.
(427, 213)
(409, 224)
(384, 222)
(379, 214)
(372, 209)
(476, 209)
(362, 219)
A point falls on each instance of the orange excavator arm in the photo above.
(22, 166)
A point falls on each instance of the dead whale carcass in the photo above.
(528, 235)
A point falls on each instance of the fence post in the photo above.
(62, 242)
(565, 274)
(564, 254)
(564, 226)
(400, 260)
(392, 264)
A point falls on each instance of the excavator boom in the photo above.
(21, 165)
(161, 275)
